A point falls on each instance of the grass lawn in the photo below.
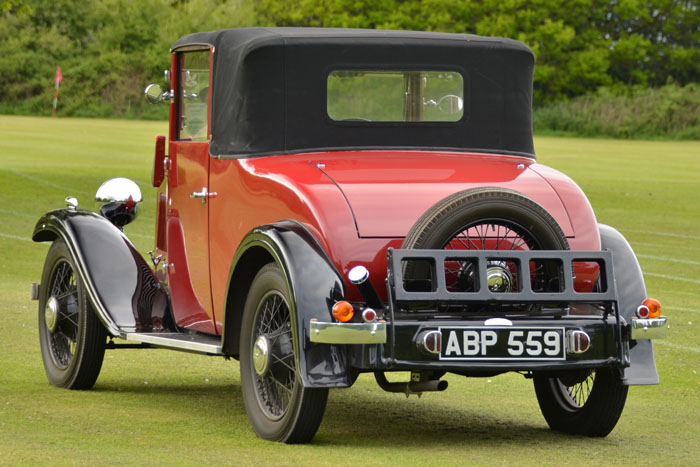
(158, 407)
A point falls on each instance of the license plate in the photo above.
(502, 343)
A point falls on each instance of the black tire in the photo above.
(279, 407)
(453, 214)
(588, 403)
(71, 336)
(484, 218)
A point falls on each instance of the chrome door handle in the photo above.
(203, 195)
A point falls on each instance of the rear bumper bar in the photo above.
(650, 328)
(347, 333)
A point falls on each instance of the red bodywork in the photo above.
(356, 203)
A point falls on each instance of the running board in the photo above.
(196, 343)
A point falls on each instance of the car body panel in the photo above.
(411, 182)
(120, 285)
(188, 237)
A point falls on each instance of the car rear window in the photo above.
(395, 96)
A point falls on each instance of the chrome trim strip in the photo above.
(347, 333)
(186, 342)
(650, 328)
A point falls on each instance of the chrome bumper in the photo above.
(650, 328)
(347, 333)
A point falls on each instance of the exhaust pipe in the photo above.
(412, 387)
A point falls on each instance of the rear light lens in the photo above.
(343, 311)
(369, 315)
(654, 307)
(643, 311)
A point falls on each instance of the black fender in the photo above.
(313, 283)
(631, 291)
(120, 285)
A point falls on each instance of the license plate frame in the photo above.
(512, 343)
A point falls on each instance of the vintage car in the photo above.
(335, 202)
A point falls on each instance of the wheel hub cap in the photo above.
(51, 314)
(261, 355)
(500, 280)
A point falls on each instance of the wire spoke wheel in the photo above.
(276, 386)
(65, 292)
(71, 336)
(486, 219)
(581, 403)
(576, 393)
(492, 234)
(279, 407)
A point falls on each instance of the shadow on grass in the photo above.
(354, 418)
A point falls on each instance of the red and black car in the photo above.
(335, 202)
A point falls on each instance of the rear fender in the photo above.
(314, 285)
(631, 291)
(120, 285)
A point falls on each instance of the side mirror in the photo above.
(450, 104)
(121, 197)
(154, 94)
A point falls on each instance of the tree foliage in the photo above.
(580, 45)
(109, 49)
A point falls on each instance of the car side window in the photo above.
(194, 84)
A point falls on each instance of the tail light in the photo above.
(650, 308)
(343, 311)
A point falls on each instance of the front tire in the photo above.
(586, 403)
(71, 337)
(279, 407)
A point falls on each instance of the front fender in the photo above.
(314, 285)
(120, 286)
(631, 292)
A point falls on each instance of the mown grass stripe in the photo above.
(664, 234)
(15, 237)
(46, 182)
(678, 347)
(680, 308)
(673, 278)
(669, 260)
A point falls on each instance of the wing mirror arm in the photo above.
(155, 94)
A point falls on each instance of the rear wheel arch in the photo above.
(243, 272)
(313, 284)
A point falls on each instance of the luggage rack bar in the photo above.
(395, 258)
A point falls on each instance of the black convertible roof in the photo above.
(269, 89)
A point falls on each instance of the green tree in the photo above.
(580, 45)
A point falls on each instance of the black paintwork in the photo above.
(269, 89)
(631, 292)
(121, 287)
(480, 258)
(603, 352)
(314, 284)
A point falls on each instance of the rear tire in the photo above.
(448, 218)
(71, 336)
(279, 407)
(588, 405)
(487, 218)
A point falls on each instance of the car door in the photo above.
(188, 197)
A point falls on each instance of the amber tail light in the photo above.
(343, 311)
(650, 308)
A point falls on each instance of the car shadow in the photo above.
(355, 416)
